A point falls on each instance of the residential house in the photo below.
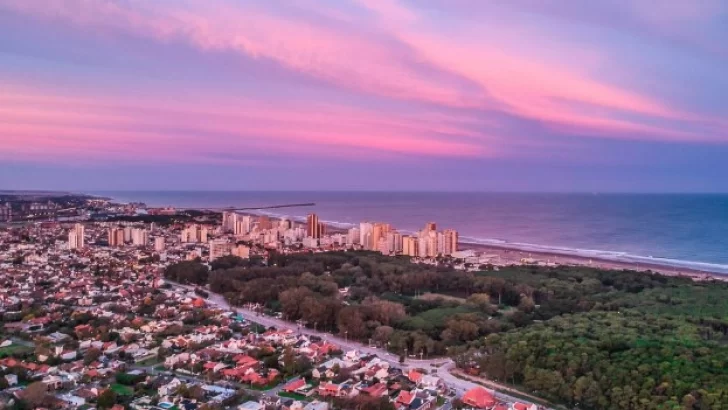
(479, 398)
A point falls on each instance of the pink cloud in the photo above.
(409, 59)
(34, 122)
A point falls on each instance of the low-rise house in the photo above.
(375, 390)
(333, 389)
(479, 398)
(11, 379)
(251, 405)
(317, 405)
(169, 388)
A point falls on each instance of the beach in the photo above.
(503, 255)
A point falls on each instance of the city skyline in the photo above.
(608, 96)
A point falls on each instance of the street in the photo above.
(459, 385)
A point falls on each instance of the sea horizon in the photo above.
(682, 230)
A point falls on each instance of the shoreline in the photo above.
(509, 254)
(505, 255)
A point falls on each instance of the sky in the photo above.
(548, 95)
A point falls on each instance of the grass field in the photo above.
(122, 390)
(294, 396)
(14, 350)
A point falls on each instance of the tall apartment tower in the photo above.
(159, 243)
(409, 245)
(241, 227)
(451, 241)
(264, 223)
(139, 237)
(76, 238)
(116, 236)
(313, 226)
(379, 231)
(365, 233)
(127, 234)
(430, 226)
(229, 219)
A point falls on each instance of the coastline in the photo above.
(505, 255)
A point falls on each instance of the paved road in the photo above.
(446, 364)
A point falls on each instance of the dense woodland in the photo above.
(588, 338)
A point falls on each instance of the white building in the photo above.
(139, 237)
(76, 238)
(159, 244)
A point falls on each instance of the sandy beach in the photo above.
(502, 255)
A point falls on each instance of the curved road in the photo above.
(445, 364)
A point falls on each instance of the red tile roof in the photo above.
(479, 397)
(294, 385)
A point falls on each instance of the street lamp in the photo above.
(346, 336)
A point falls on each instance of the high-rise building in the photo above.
(285, 223)
(394, 240)
(229, 219)
(379, 230)
(76, 238)
(432, 245)
(159, 244)
(353, 237)
(194, 233)
(247, 223)
(313, 226)
(242, 226)
(220, 248)
(116, 237)
(430, 226)
(365, 233)
(409, 245)
(127, 234)
(422, 243)
(139, 237)
(264, 223)
(383, 246)
(451, 241)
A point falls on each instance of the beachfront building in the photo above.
(409, 246)
(451, 239)
(242, 225)
(314, 228)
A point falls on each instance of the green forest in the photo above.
(587, 338)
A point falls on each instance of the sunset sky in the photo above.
(547, 95)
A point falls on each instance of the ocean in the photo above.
(681, 230)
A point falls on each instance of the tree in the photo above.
(91, 355)
(289, 361)
(382, 334)
(187, 272)
(526, 304)
(482, 302)
(106, 399)
(227, 262)
(291, 302)
(351, 323)
(36, 394)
